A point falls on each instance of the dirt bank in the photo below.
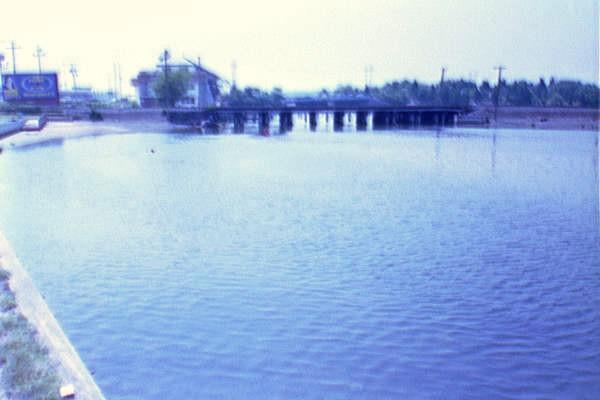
(537, 118)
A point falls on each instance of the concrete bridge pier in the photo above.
(449, 119)
(361, 120)
(338, 120)
(312, 121)
(396, 119)
(381, 120)
(403, 120)
(239, 120)
(264, 122)
(286, 121)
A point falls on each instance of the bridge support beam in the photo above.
(264, 122)
(449, 119)
(338, 120)
(312, 121)
(286, 121)
(239, 120)
(361, 120)
(381, 120)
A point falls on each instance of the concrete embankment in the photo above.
(32, 306)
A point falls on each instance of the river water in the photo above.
(461, 264)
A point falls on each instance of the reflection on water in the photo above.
(415, 264)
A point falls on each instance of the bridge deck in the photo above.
(320, 108)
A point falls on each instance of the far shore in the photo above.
(553, 118)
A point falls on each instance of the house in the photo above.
(203, 91)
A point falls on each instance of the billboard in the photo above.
(30, 88)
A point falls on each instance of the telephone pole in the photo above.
(39, 53)
(73, 71)
(233, 74)
(499, 68)
(120, 82)
(164, 58)
(13, 47)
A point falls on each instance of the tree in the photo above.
(541, 92)
(254, 97)
(346, 91)
(519, 94)
(171, 86)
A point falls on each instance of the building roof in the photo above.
(146, 76)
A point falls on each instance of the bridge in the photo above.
(377, 114)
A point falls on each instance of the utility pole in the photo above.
(233, 74)
(13, 47)
(115, 87)
(120, 80)
(500, 68)
(164, 58)
(73, 71)
(39, 53)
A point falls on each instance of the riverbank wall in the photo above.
(32, 306)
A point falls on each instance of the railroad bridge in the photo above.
(367, 112)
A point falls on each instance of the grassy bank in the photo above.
(38, 356)
(26, 369)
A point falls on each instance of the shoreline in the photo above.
(31, 305)
(537, 118)
(151, 121)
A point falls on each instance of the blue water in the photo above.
(461, 264)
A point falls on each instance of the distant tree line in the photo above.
(464, 93)
(253, 97)
(561, 93)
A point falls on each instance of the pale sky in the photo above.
(308, 44)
